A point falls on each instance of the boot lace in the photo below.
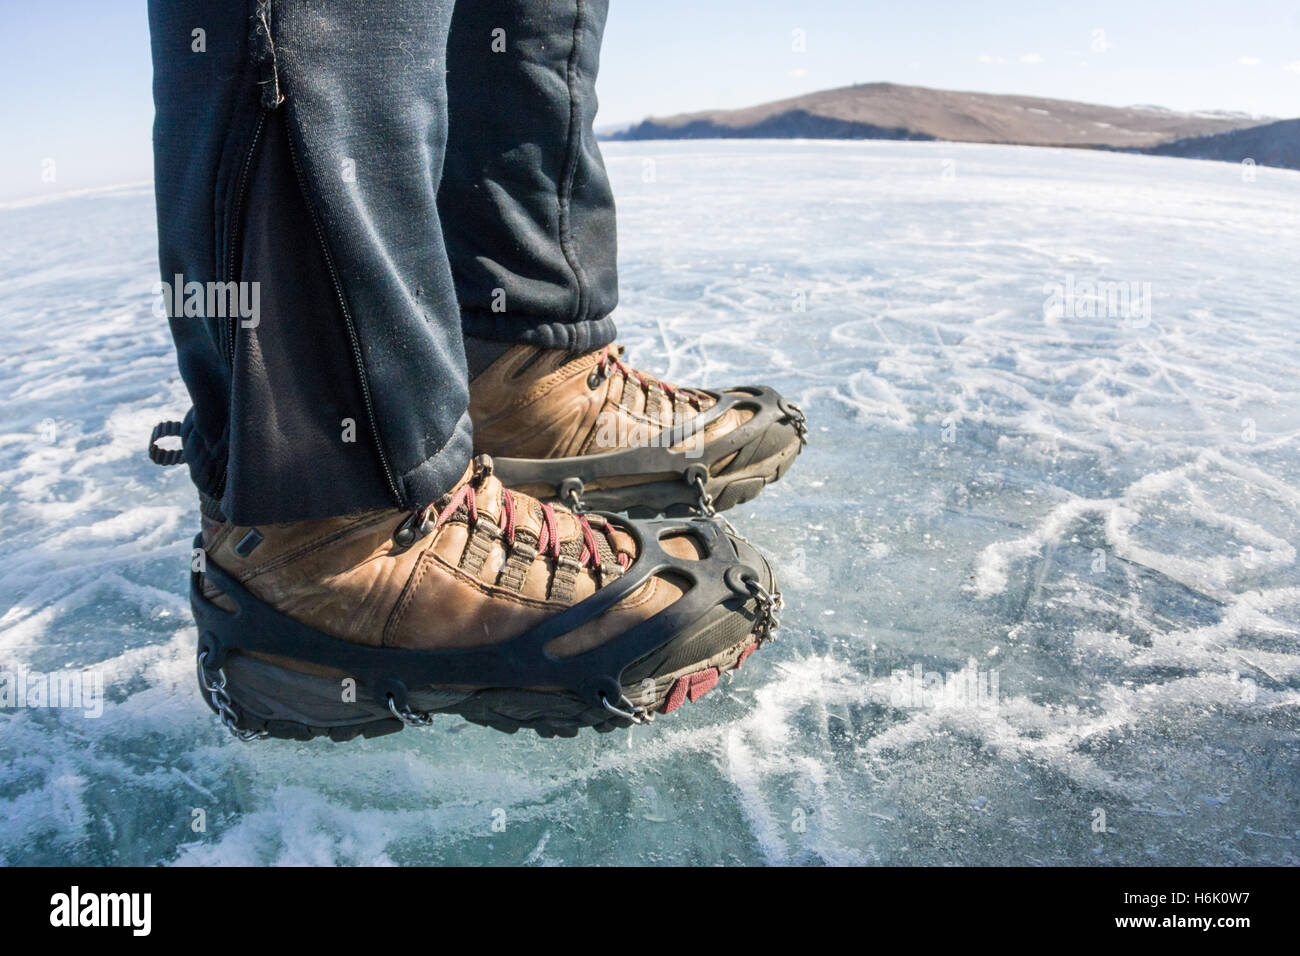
(610, 360)
(548, 542)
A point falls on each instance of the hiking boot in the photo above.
(595, 433)
(488, 604)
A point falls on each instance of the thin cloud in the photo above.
(1027, 58)
(1248, 60)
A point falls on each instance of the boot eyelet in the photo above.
(595, 378)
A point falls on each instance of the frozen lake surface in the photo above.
(1084, 497)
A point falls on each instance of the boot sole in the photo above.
(259, 689)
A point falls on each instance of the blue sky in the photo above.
(76, 72)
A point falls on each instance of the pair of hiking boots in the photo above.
(493, 603)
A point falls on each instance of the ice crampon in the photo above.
(488, 604)
(594, 432)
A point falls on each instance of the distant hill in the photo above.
(894, 111)
(1270, 144)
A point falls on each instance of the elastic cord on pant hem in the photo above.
(207, 462)
(570, 336)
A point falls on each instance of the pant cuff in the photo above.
(570, 336)
(437, 475)
(207, 462)
(422, 485)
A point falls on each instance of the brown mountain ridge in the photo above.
(895, 111)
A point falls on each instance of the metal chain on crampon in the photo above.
(411, 718)
(697, 477)
(799, 420)
(633, 712)
(769, 603)
(216, 690)
(704, 500)
(570, 492)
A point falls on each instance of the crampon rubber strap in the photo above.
(660, 455)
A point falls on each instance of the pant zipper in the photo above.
(347, 320)
(228, 330)
(236, 226)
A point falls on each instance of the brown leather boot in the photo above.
(589, 429)
(488, 604)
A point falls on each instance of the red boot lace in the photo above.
(609, 359)
(548, 541)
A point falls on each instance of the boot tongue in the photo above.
(479, 477)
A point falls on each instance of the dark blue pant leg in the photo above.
(301, 150)
(527, 210)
